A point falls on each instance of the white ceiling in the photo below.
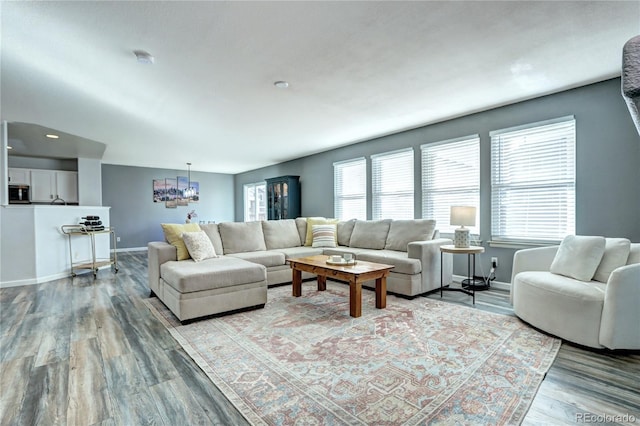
(356, 70)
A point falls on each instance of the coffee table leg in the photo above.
(381, 293)
(355, 299)
(297, 283)
(322, 282)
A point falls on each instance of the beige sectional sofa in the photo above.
(253, 255)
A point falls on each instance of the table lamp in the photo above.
(462, 215)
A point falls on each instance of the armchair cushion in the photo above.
(616, 253)
(578, 257)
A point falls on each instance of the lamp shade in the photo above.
(463, 215)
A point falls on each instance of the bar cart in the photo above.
(94, 263)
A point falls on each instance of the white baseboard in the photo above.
(124, 250)
(495, 284)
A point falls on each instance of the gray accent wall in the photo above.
(136, 218)
(607, 169)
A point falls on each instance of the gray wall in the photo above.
(136, 218)
(607, 170)
(17, 161)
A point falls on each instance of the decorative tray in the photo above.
(342, 263)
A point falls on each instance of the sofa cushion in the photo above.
(173, 234)
(211, 229)
(399, 259)
(616, 253)
(634, 254)
(323, 236)
(301, 224)
(345, 229)
(266, 258)
(371, 234)
(402, 232)
(280, 233)
(296, 252)
(188, 276)
(316, 221)
(578, 257)
(199, 245)
(240, 237)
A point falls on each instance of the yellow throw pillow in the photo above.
(173, 235)
(308, 242)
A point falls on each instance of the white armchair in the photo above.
(589, 313)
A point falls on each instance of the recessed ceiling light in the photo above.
(281, 84)
(52, 136)
(144, 57)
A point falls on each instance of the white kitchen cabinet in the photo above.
(19, 176)
(47, 185)
(67, 186)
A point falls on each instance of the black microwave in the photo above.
(19, 194)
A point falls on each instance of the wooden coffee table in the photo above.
(355, 275)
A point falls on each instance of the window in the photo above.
(392, 186)
(451, 177)
(350, 189)
(255, 205)
(533, 181)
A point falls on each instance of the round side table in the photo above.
(471, 259)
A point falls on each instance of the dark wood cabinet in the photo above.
(283, 197)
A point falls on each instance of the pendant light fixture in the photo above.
(189, 192)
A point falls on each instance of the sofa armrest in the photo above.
(533, 259)
(158, 253)
(428, 252)
(620, 324)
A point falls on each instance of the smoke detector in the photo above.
(144, 57)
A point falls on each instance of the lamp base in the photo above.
(461, 238)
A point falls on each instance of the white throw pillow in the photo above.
(199, 245)
(323, 235)
(616, 253)
(578, 257)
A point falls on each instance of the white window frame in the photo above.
(350, 198)
(451, 177)
(402, 206)
(533, 182)
(260, 207)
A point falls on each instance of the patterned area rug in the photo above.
(306, 361)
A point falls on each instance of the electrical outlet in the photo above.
(117, 239)
(494, 262)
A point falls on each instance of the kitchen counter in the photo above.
(33, 249)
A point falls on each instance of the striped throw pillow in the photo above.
(324, 235)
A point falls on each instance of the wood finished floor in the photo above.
(87, 352)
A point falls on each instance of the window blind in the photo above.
(255, 204)
(350, 189)
(451, 177)
(533, 181)
(392, 185)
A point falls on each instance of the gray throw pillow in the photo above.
(370, 234)
(280, 234)
(402, 232)
(242, 237)
(345, 229)
(211, 229)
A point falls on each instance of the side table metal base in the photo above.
(476, 283)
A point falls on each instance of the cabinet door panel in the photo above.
(67, 186)
(19, 177)
(42, 185)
